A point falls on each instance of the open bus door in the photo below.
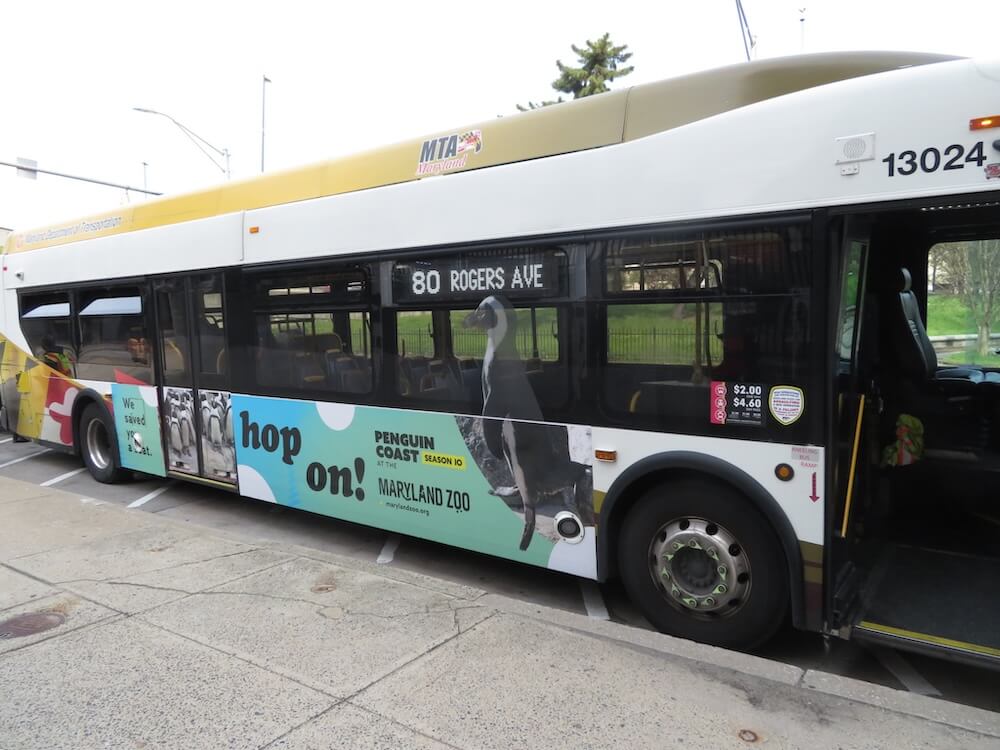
(194, 386)
(852, 402)
(915, 532)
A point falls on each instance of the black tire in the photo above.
(741, 622)
(99, 445)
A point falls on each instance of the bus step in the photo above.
(932, 601)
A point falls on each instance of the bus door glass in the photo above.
(194, 391)
(853, 405)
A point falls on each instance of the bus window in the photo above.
(963, 302)
(45, 322)
(211, 329)
(441, 354)
(113, 340)
(536, 340)
(679, 333)
(311, 334)
(850, 300)
(428, 366)
(685, 310)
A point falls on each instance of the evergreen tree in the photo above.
(599, 66)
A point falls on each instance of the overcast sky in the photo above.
(351, 76)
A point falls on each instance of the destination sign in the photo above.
(535, 274)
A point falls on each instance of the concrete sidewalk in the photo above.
(165, 635)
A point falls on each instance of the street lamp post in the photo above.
(196, 139)
(263, 110)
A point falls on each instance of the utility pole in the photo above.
(263, 112)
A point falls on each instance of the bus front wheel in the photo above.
(701, 563)
(98, 445)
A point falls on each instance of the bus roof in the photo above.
(592, 122)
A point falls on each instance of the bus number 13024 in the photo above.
(931, 159)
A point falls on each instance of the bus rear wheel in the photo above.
(99, 446)
(701, 563)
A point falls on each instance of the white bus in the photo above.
(676, 334)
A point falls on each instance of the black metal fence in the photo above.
(655, 346)
(637, 346)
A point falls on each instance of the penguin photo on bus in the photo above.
(537, 454)
(179, 420)
(217, 447)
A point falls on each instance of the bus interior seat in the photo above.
(309, 373)
(633, 403)
(274, 363)
(355, 381)
(328, 343)
(210, 354)
(914, 347)
(338, 365)
(173, 357)
(414, 368)
(954, 403)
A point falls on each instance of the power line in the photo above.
(748, 40)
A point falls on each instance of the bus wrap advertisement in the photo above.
(424, 474)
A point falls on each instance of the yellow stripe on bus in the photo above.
(588, 123)
(936, 640)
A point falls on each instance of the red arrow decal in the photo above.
(814, 497)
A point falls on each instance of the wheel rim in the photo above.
(98, 444)
(700, 567)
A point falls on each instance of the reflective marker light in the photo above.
(982, 123)
(606, 455)
(783, 472)
(254, 230)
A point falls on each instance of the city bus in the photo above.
(683, 335)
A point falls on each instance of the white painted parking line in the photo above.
(25, 458)
(593, 600)
(62, 477)
(6, 440)
(150, 495)
(903, 671)
(388, 549)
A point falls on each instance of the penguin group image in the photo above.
(216, 416)
(537, 454)
(178, 418)
(217, 441)
(217, 445)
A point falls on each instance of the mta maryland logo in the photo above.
(448, 152)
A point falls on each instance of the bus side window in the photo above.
(113, 337)
(684, 310)
(427, 367)
(312, 333)
(442, 355)
(211, 328)
(45, 321)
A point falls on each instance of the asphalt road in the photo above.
(211, 508)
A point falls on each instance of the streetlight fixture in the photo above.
(196, 139)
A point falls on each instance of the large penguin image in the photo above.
(537, 454)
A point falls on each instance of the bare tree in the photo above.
(972, 270)
(982, 287)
